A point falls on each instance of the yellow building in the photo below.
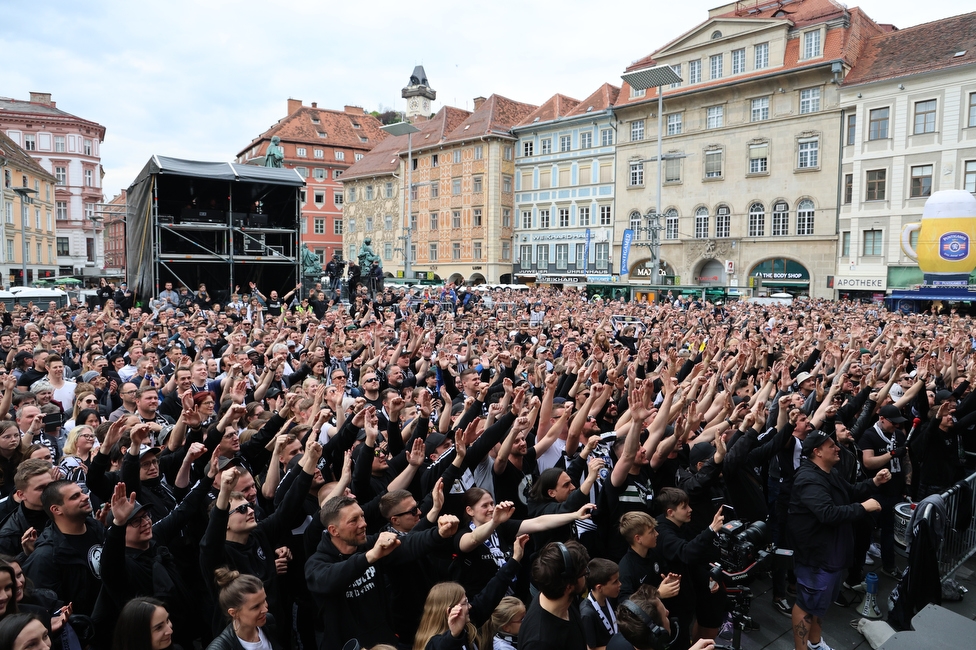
(27, 202)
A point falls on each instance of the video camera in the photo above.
(741, 549)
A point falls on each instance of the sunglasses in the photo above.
(381, 452)
(414, 511)
(242, 509)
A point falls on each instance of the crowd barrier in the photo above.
(959, 545)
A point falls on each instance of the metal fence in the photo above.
(959, 545)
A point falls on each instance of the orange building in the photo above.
(320, 144)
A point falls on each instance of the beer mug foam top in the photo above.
(946, 236)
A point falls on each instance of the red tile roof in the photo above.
(840, 43)
(21, 159)
(553, 108)
(338, 126)
(602, 98)
(496, 116)
(385, 157)
(922, 48)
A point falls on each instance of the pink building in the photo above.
(68, 147)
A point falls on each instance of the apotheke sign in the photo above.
(860, 283)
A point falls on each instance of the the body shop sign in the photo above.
(779, 270)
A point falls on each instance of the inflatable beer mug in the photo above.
(947, 234)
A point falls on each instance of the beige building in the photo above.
(27, 226)
(462, 196)
(751, 146)
(909, 130)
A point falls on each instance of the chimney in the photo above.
(355, 110)
(41, 98)
(294, 105)
(315, 104)
(478, 101)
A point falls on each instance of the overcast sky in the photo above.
(201, 79)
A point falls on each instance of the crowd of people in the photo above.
(454, 469)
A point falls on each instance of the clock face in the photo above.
(426, 105)
(413, 103)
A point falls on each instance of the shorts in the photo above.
(816, 588)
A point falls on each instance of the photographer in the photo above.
(823, 507)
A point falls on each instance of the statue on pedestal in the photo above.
(366, 257)
(275, 154)
(311, 266)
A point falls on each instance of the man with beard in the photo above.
(552, 622)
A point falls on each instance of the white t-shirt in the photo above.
(261, 644)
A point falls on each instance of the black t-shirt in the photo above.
(513, 484)
(872, 440)
(636, 571)
(542, 631)
(619, 642)
(475, 569)
(594, 628)
(274, 307)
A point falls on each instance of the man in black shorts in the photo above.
(823, 507)
(552, 621)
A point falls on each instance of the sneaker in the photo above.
(860, 587)
(783, 607)
(868, 560)
(894, 573)
(820, 646)
(726, 631)
(874, 549)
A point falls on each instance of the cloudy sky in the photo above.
(200, 79)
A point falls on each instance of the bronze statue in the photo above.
(311, 266)
(366, 257)
(275, 154)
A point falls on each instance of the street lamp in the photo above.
(407, 129)
(25, 199)
(659, 76)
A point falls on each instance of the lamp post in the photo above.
(659, 76)
(407, 129)
(25, 199)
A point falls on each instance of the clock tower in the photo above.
(418, 95)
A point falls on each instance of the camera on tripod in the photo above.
(742, 550)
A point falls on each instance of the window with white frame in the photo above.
(760, 56)
(760, 109)
(636, 224)
(584, 215)
(759, 158)
(544, 220)
(636, 130)
(479, 152)
(925, 116)
(434, 160)
(781, 219)
(388, 190)
(562, 256)
(804, 217)
(526, 219)
(456, 186)
(715, 66)
(319, 198)
(878, 124)
(30, 142)
(872, 242)
(506, 184)
(677, 70)
(507, 152)
(723, 221)
(318, 227)
(586, 139)
(352, 225)
(580, 260)
(757, 220)
(506, 218)
(60, 210)
(636, 174)
(456, 251)
(8, 209)
(476, 217)
(476, 250)
(714, 117)
(845, 245)
(318, 174)
(301, 152)
(921, 181)
(713, 163)
(336, 173)
(88, 147)
(302, 171)
(674, 124)
(457, 156)
(369, 193)
(359, 157)
(602, 256)
(59, 144)
(811, 44)
(388, 222)
(477, 184)
(671, 224)
(506, 251)
(545, 146)
(637, 92)
(432, 251)
(387, 250)
(525, 255)
(337, 198)
(318, 153)
(606, 137)
(738, 61)
(563, 217)
(809, 100)
(672, 170)
(369, 224)
(970, 177)
(808, 153)
(972, 110)
(542, 255)
(456, 219)
(701, 223)
(61, 175)
(527, 148)
(694, 71)
(434, 220)
(605, 215)
(565, 142)
(89, 211)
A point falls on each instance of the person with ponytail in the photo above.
(144, 624)
(501, 630)
(243, 599)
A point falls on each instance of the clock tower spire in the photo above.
(418, 94)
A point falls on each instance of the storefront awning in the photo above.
(786, 283)
(945, 294)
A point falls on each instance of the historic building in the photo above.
(751, 149)
(909, 129)
(564, 190)
(113, 215)
(461, 199)
(69, 148)
(321, 144)
(27, 228)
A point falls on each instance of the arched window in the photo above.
(723, 221)
(716, 34)
(635, 224)
(671, 224)
(804, 217)
(781, 219)
(701, 223)
(757, 220)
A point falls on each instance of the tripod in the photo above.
(741, 598)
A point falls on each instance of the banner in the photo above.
(625, 251)
(586, 252)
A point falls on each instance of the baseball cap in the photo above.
(892, 414)
(700, 453)
(146, 449)
(433, 441)
(813, 440)
(223, 463)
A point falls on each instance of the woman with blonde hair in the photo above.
(243, 599)
(502, 629)
(78, 452)
(450, 620)
(84, 401)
